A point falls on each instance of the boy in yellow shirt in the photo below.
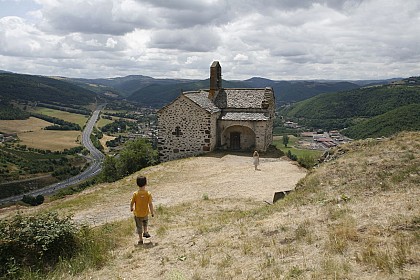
(141, 204)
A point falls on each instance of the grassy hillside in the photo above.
(405, 118)
(43, 89)
(354, 217)
(343, 109)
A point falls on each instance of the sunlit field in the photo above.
(69, 117)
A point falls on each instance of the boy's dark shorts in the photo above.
(140, 222)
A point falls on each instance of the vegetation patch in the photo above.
(45, 245)
(355, 107)
(23, 169)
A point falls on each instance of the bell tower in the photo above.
(215, 79)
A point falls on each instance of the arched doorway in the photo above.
(238, 137)
(235, 140)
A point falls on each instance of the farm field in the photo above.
(102, 122)
(20, 126)
(31, 134)
(53, 140)
(69, 117)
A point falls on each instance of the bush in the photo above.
(291, 156)
(32, 200)
(35, 242)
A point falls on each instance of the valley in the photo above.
(55, 127)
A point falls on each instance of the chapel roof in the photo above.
(201, 99)
(243, 98)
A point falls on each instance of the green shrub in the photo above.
(291, 156)
(33, 200)
(35, 242)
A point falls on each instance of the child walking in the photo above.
(141, 205)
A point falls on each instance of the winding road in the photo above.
(96, 158)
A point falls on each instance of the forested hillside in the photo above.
(43, 89)
(9, 112)
(344, 109)
(405, 118)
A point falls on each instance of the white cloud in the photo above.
(241, 57)
(286, 39)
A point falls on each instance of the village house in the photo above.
(216, 118)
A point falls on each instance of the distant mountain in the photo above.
(348, 108)
(158, 94)
(43, 89)
(126, 86)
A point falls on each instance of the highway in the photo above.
(96, 158)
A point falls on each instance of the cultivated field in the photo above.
(31, 134)
(102, 122)
(53, 140)
(21, 126)
(69, 117)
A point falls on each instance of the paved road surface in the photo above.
(96, 158)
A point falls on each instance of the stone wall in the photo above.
(185, 130)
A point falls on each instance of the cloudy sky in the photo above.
(276, 39)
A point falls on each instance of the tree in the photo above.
(134, 156)
(285, 140)
(109, 170)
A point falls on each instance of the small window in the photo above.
(177, 131)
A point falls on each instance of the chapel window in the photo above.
(177, 132)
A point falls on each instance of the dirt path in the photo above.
(186, 180)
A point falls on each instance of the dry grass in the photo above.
(104, 139)
(53, 140)
(355, 217)
(21, 126)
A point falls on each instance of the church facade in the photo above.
(201, 121)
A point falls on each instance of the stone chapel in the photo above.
(201, 121)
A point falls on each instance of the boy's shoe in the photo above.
(140, 242)
(146, 234)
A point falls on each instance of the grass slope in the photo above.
(354, 217)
